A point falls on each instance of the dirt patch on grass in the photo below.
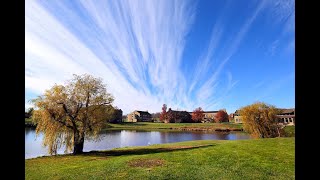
(146, 163)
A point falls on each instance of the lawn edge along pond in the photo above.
(165, 126)
(176, 126)
(271, 158)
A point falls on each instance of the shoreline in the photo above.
(192, 127)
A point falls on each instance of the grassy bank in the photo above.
(27, 120)
(165, 126)
(176, 126)
(289, 131)
(205, 159)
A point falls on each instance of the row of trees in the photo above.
(29, 113)
(220, 116)
(196, 116)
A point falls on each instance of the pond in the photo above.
(124, 138)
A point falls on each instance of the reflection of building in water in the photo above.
(138, 138)
(154, 137)
(164, 137)
(197, 135)
(222, 135)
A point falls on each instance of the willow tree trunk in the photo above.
(78, 143)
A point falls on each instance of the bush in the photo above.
(289, 131)
(259, 119)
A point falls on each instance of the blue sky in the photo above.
(187, 54)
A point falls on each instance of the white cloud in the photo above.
(273, 47)
(273, 86)
(259, 85)
(135, 46)
(122, 42)
(208, 89)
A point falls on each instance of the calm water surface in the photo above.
(123, 138)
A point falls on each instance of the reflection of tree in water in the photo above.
(29, 130)
(164, 137)
(240, 135)
(103, 134)
(197, 135)
(222, 135)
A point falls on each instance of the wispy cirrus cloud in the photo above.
(273, 47)
(213, 63)
(290, 48)
(273, 86)
(282, 13)
(137, 47)
(259, 84)
(130, 44)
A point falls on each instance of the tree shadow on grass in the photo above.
(142, 151)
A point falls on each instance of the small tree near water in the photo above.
(259, 119)
(66, 114)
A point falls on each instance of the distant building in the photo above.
(139, 116)
(287, 117)
(178, 116)
(208, 116)
(236, 116)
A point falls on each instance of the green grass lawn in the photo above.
(148, 125)
(289, 131)
(27, 120)
(205, 159)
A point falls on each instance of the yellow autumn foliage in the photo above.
(259, 119)
(67, 113)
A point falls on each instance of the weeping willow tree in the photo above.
(259, 119)
(67, 113)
